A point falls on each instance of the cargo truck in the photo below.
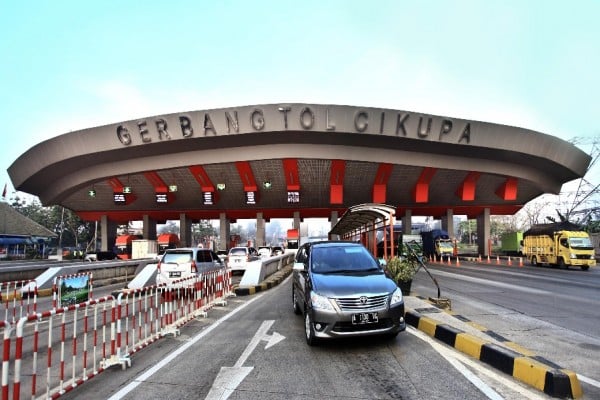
(123, 245)
(512, 243)
(167, 241)
(437, 243)
(292, 239)
(561, 244)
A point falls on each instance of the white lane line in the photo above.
(457, 360)
(589, 381)
(161, 364)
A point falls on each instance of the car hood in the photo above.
(334, 285)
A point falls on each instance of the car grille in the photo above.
(362, 303)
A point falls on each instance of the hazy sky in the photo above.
(69, 65)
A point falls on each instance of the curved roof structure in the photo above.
(316, 158)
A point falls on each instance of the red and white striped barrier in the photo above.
(55, 351)
(19, 299)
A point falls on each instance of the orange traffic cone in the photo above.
(479, 259)
(457, 261)
(520, 261)
(488, 258)
(509, 261)
(497, 260)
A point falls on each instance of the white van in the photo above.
(182, 263)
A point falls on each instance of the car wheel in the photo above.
(585, 267)
(295, 306)
(309, 329)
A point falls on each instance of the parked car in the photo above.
(265, 251)
(342, 291)
(182, 263)
(239, 257)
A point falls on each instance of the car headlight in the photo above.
(573, 255)
(396, 297)
(320, 302)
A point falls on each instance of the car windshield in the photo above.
(341, 259)
(237, 251)
(177, 257)
(582, 243)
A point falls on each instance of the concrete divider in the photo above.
(551, 379)
(257, 271)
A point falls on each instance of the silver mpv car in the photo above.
(342, 291)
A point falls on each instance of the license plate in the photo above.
(175, 274)
(365, 318)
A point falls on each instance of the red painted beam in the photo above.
(246, 176)
(116, 185)
(336, 180)
(290, 169)
(471, 211)
(202, 178)
(508, 190)
(381, 180)
(466, 191)
(421, 189)
(155, 180)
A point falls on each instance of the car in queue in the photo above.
(278, 250)
(265, 251)
(182, 263)
(342, 291)
(239, 257)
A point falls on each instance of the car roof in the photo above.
(178, 249)
(333, 243)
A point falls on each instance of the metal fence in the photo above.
(46, 354)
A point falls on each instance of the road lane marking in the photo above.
(229, 378)
(161, 364)
(459, 361)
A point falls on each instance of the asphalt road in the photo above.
(552, 313)
(255, 349)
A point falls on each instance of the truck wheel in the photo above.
(561, 264)
(585, 267)
(534, 261)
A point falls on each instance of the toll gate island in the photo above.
(294, 161)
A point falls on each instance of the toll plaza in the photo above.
(294, 161)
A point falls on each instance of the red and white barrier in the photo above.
(19, 299)
(54, 351)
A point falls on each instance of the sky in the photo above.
(69, 65)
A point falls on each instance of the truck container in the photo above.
(511, 243)
(167, 241)
(562, 244)
(437, 243)
(292, 239)
(123, 245)
(143, 248)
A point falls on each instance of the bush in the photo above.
(401, 269)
